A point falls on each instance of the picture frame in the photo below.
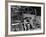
(26, 18)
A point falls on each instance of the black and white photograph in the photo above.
(25, 18)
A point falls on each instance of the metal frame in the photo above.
(6, 18)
